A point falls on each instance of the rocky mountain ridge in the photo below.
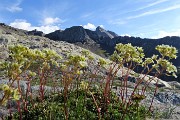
(104, 41)
(79, 34)
(108, 39)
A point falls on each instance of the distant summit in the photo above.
(79, 34)
(103, 33)
(72, 35)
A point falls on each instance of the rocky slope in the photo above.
(11, 36)
(104, 41)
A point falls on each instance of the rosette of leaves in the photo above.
(163, 63)
(127, 53)
(87, 54)
(102, 62)
(9, 93)
(167, 51)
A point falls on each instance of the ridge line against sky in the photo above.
(140, 18)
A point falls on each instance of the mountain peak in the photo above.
(72, 34)
(103, 33)
(99, 28)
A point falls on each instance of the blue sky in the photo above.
(139, 18)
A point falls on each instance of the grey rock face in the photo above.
(113, 33)
(72, 35)
(56, 35)
(47, 89)
(175, 84)
(93, 35)
(103, 33)
(3, 41)
(168, 97)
